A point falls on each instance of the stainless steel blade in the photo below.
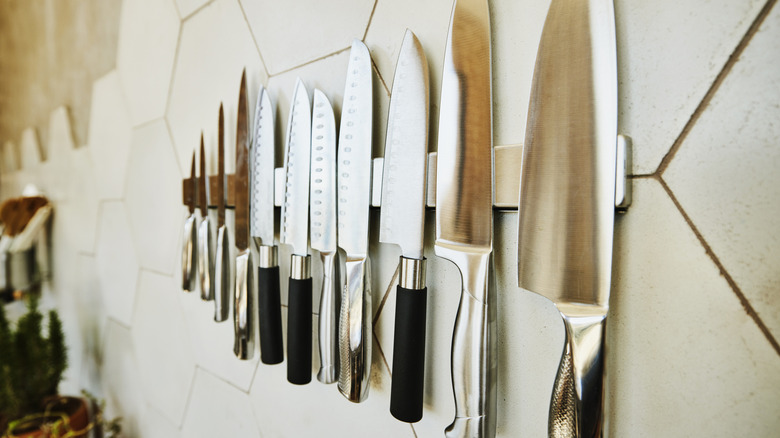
(192, 197)
(221, 183)
(354, 154)
(295, 206)
(241, 178)
(403, 179)
(262, 171)
(203, 183)
(323, 171)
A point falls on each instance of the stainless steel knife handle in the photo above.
(205, 264)
(243, 314)
(355, 325)
(222, 277)
(188, 255)
(328, 321)
(473, 349)
(577, 398)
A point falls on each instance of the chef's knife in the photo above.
(189, 250)
(262, 230)
(222, 263)
(354, 183)
(295, 232)
(567, 198)
(402, 221)
(205, 263)
(464, 212)
(323, 229)
(243, 311)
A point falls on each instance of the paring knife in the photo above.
(295, 232)
(323, 229)
(402, 221)
(464, 212)
(189, 245)
(205, 260)
(262, 230)
(354, 182)
(243, 311)
(222, 263)
(567, 198)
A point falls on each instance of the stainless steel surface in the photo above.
(622, 180)
(262, 171)
(221, 182)
(189, 255)
(203, 186)
(267, 256)
(243, 345)
(205, 260)
(412, 273)
(402, 215)
(221, 276)
(354, 184)
(464, 212)
(300, 267)
(241, 176)
(295, 208)
(328, 320)
(567, 192)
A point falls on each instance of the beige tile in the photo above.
(187, 7)
(276, 27)
(148, 33)
(80, 209)
(218, 409)
(120, 376)
(110, 134)
(31, 151)
(57, 151)
(10, 157)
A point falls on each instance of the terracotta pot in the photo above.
(63, 414)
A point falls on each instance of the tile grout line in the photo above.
(413, 431)
(221, 379)
(174, 68)
(382, 354)
(732, 284)
(189, 396)
(254, 39)
(370, 19)
(337, 52)
(173, 144)
(381, 79)
(386, 295)
(195, 12)
(719, 79)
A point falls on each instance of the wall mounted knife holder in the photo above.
(507, 179)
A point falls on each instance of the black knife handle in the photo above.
(299, 331)
(270, 313)
(406, 391)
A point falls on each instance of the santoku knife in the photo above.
(567, 198)
(464, 212)
(205, 262)
(323, 229)
(402, 221)
(295, 232)
(262, 230)
(222, 263)
(354, 182)
(189, 245)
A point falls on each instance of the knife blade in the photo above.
(262, 230)
(205, 263)
(222, 263)
(464, 212)
(323, 229)
(295, 232)
(566, 202)
(402, 220)
(354, 182)
(189, 245)
(243, 321)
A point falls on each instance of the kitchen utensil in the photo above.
(222, 264)
(205, 259)
(189, 244)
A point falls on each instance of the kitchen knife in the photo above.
(354, 184)
(464, 212)
(222, 262)
(205, 263)
(323, 229)
(295, 232)
(567, 198)
(243, 311)
(262, 230)
(402, 221)
(188, 253)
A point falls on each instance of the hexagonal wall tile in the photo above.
(148, 33)
(218, 409)
(8, 177)
(165, 363)
(120, 375)
(187, 7)
(10, 157)
(59, 146)
(31, 158)
(153, 200)
(116, 261)
(725, 174)
(79, 210)
(215, 46)
(109, 136)
(272, 22)
(156, 425)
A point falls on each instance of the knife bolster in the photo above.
(412, 273)
(300, 267)
(267, 256)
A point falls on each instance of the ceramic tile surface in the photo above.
(725, 174)
(148, 33)
(110, 134)
(277, 28)
(212, 399)
(165, 363)
(10, 157)
(58, 148)
(30, 150)
(120, 375)
(156, 425)
(187, 7)
(153, 201)
(116, 262)
(79, 211)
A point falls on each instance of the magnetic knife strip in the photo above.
(507, 161)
